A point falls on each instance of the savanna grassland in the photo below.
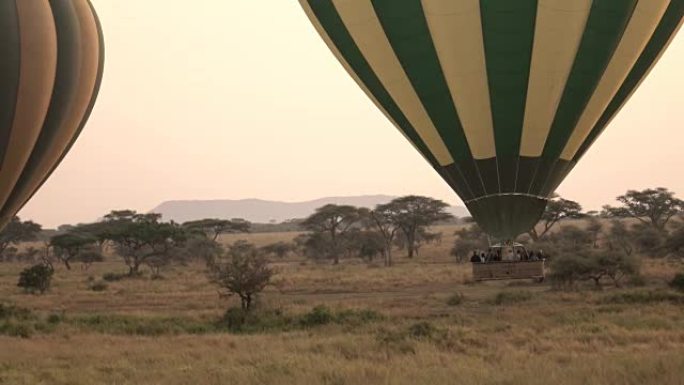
(422, 321)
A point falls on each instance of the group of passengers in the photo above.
(507, 254)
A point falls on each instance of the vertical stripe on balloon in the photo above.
(363, 25)
(56, 134)
(456, 30)
(661, 39)
(324, 14)
(508, 30)
(644, 20)
(38, 61)
(405, 131)
(9, 71)
(605, 26)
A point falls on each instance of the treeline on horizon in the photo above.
(333, 233)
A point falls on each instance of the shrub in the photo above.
(357, 317)
(677, 282)
(54, 318)
(36, 278)
(594, 265)
(511, 297)
(12, 311)
(99, 286)
(245, 273)
(16, 321)
(234, 319)
(113, 277)
(319, 315)
(644, 297)
(566, 270)
(143, 326)
(455, 299)
(14, 329)
(238, 320)
(422, 329)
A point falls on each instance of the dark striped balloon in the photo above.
(502, 97)
(52, 55)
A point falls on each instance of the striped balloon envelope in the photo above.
(502, 97)
(51, 63)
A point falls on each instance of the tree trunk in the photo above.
(134, 268)
(245, 301)
(410, 244)
(388, 254)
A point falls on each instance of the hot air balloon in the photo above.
(50, 72)
(501, 97)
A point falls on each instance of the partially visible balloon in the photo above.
(51, 63)
(502, 97)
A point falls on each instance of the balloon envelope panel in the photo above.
(501, 97)
(50, 73)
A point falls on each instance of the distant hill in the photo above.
(263, 211)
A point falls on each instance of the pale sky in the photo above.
(232, 99)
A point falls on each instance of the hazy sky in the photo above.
(233, 99)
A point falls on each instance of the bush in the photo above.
(511, 297)
(18, 322)
(113, 277)
(99, 286)
(455, 299)
(677, 282)
(237, 320)
(595, 265)
(14, 329)
(36, 278)
(357, 317)
(54, 319)
(644, 297)
(567, 270)
(234, 319)
(319, 315)
(245, 273)
(12, 311)
(143, 326)
(422, 329)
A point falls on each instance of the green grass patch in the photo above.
(144, 326)
(511, 297)
(644, 297)
(21, 322)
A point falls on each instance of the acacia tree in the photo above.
(384, 218)
(18, 231)
(556, 210)
(213, 228)
(594, 227)
(142, 238)
(334, 221)
(412, 214)
(245, 273)
(69, 246)
(653, 207)
(620, 237)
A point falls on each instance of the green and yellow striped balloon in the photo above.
(502, 97)
(51, 62)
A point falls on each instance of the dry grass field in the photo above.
(399, 325)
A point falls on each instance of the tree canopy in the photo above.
(18, 231)
(654, 207)
(556, 210)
